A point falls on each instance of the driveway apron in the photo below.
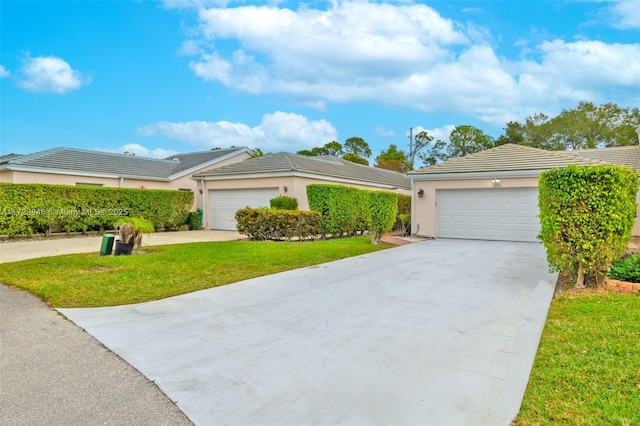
(438, 332)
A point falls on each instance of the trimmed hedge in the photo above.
(586, 216)
(344, 209)
(269, 224)
(282, 202)
(37, 208)
(383, 208)
(350, 210)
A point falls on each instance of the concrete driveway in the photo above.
(438, 332)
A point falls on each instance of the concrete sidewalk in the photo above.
(12, 251)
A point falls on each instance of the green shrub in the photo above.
(35, 208)
(193, 220)
(383, 208)
(269, 224)
(626, 269)
(404, 204)
(282, 202)
(344, 209)
(586, 216)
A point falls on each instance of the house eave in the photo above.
(477, 175)
(297, 173)
(17, 168)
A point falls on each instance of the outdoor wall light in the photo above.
(285, 189)
(496, 181)
(421, 193)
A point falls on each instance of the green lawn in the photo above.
(587, 369)
(87, 280)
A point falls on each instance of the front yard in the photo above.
(89, 280)
(587, 369)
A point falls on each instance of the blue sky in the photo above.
(156, 78)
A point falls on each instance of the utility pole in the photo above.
(411, 154)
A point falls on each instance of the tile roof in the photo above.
(622, 155)
(105, 163)
(192, 160)
(323, 165)
(506, 158)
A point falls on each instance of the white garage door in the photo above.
(506, 214)
(225, 202)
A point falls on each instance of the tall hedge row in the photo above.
(344, 209)
(586, 216)
(350, 210)
(39, 208)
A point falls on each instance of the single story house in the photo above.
(254, 182)
(493, 194)
(69, 166)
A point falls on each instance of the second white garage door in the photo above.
(506, 214)
(225, 202)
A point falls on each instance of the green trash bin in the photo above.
(107, 245)
(200, 212)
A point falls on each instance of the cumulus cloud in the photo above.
(4, 73)
(406, 55)
(140, 151)
(50, 74)
(625, 14)
(279, 131)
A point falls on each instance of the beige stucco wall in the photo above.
(423, 219)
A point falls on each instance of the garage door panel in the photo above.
(225, 202)
(508, 214)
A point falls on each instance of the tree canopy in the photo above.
(355, 149)
(393, 159)
(584, 127)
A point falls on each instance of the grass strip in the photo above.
(90, 280)
(587, 369)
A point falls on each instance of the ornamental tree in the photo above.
(586, 216)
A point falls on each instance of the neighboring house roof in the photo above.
(509, 159)
(284, 164)
(621, 155)
(105, 164)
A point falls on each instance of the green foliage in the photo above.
(383, 209)
(140, 225)
(348, 210)
(39, 208)
(355, 158)
(626, 269)
(393, 159)
(585, 126)
(193, 221)
(331, 148)
(282, 202)
(404, 204)
(344, 209)
(586, 216)
(270, 224)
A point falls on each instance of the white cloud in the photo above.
(387, 133)
(50, 74)
(279, 131)
(140, 151)
(405, 55)
(625, 14)
(4, 73)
